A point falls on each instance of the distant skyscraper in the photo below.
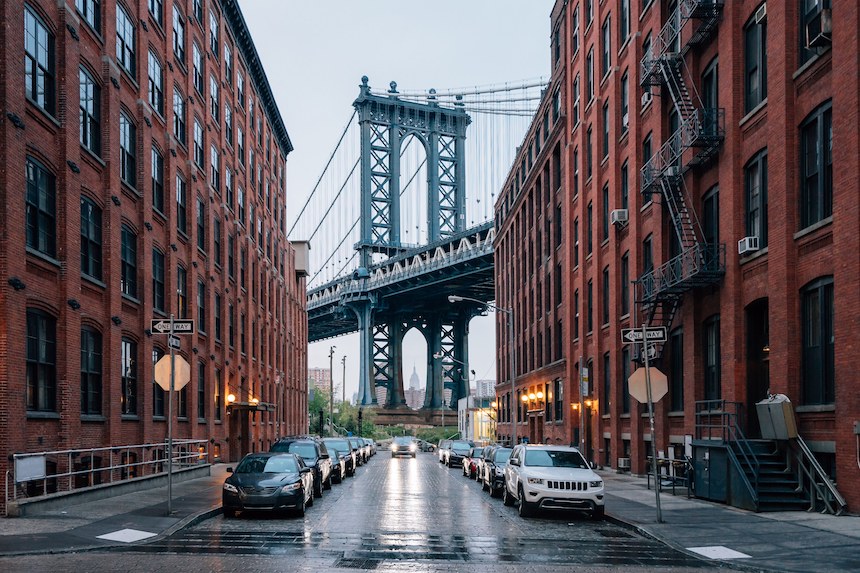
(485, 388)
(414, 380)
(319, 378)
(415, 394)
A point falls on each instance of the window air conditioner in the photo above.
(623, 463)
(747, 245)
(819, 30)
(646, 98)
(618, 216)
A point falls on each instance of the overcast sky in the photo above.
(315, 52)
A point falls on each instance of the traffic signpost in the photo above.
(171, 373)
(653, 334)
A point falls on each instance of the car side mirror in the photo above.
(324, 456)
(229, 470)
(305, 470)
(592, 465)
(514, 462)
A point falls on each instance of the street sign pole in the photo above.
(170, 424)
(651, 418)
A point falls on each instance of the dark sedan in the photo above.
(459, 450)
(315, 455)
(403, 446)
(494, 471)
(344, 452)
(267, 481)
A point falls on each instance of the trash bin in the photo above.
(776, 418)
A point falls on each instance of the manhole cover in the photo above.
(611, 533)
(351, 563)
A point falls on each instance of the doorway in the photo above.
(757, 359)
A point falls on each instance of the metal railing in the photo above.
(820, 486)
(42, 474)
(703, 263)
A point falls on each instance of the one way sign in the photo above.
(652, 334)
(180, 326)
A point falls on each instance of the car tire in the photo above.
(228, 512)
(300, 510)
(310, 502)
(413, 455)
(507, 498)
(598, 513)
(327, 482)
(318, 490)
(524, 508)
(337, 479)
(484, 485)
(392, 455)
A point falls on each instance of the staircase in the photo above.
(778, 487)
(697, 139)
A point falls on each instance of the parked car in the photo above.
(494, 470)
(268, 481)
(372, 443)
(470, 462)
(426, 446)
(365, 448)
(315, 455)
(459, 450)
(403, 446)
(344, 453)
(443, 449)
(552, 477)
(356, 448)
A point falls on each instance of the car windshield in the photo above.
(339, 445)
(477, 452)
(303, 449)
(270, 465)
(403, 441)
(461, 446)
(555, 459)
(502, 455)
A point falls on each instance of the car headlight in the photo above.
(537, 481)
(393, 447)
(291, 487)
(231, 488)
(598, 483)
(411, 447)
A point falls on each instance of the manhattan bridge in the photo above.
(401, 217)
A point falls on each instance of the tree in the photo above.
(317, 402)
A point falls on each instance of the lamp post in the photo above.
(331, 390)
(510, 318)
(343, 382)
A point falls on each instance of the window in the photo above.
(213, 97)
(240, 145)
(182, 292)
(818, 381)
(556, 47)
(128, 256)
(556, 107)
(809, 10)
(710, 97)
(217, 316)
(216, 239)
(178, 34)
(589, 12)
(127, 149)
(39, 65)
(605, 403)
(711, 219)
(125, 48)
(625, 284)
(156, 8)
(158, 280)
(606, 130)
(711, 347)
(157, 174)
(219, 404)
(625, 375)
(647, 256)
(128, 373)
(558, 395)
(604, 224)
(589, 69)
(240, 205)
(589, 157)
(606, 291)
(574, 45)
(231, 262)
(198, 143)
(214, 170)
(240, 88)
(181, 205)
(201, 306)
(755, 183)
(624, 21)
(213, 33)
(157, 392)
(41, 209)
(201, 224)
(91, 372)
(198, 11)
(646, 150)
(589, 305)
(816, 166)
(179, 116)
(576, 100)
(201, 391)
(228, 124)
(41, 361)
(576, 242)
(91, 238)
(605, 43)
(182, 402)
(575, 333)
(755, 62)
(197, 67)
(575, 172)
(676, 370)
(589, 228)
(625, 184)
(90, 11)
(625, 102)
(231, 326)
(90, 106)
(228, 64)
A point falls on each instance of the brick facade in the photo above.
(262, 357)
(757, 307)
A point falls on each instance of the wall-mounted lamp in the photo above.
(231, 398)
(532, 397)
(116, 320)
(17, 283)
(589, 402)
(74, 304)
(539, 395)
(525, 398)
(574, 406)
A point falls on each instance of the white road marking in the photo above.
(719, 552)
(126, 535)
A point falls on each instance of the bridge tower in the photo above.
(386, 121)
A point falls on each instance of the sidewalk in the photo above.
(786, 541)
(780, 541)
(115, 521)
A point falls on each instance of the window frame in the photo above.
(128, 258)
(816, 204)
(755, 198)
(89, 123)
(128, 149)
(755, 62)
(817, 359)
(40, 208)
(41, 361)
(126, 42)
(91, 238)
(128, 377)
(40, 65)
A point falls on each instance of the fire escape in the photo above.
(697, 139)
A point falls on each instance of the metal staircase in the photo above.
(697, 139)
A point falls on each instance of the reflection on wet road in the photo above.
(416, 509)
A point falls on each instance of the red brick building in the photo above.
(697, 192)
(143, 176)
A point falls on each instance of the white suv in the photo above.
(552, 477)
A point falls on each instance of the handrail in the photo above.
(806, 455)
(701, 258)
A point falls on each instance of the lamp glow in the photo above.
(231, 398)
(525, 398)
(539, 395)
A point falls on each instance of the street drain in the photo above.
(611, 533)
(353, 563)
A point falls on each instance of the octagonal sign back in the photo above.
(637, 388)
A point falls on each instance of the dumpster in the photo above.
(776, 417)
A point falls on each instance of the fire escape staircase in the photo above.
(697, 139)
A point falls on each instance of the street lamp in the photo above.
(331, 390)
(510, 318)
